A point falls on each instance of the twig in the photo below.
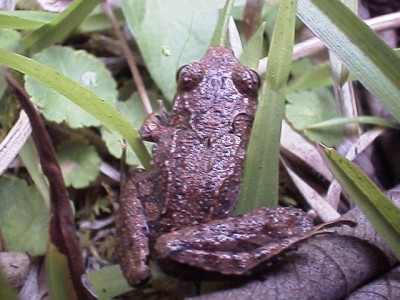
(129, 58)
(62, 225)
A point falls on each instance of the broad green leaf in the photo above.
(383, 214)
(81, 67)
(220, 36)
(10, 39)
(109, 282)
(98, 21)
(170, 34)
(306, 108)
(260, 183)
(80, 163)
(133, 111)
(81, 96)
(58, 276)
(60, 27)
(24, 217)
(367, 57)
(312, 77)
(253, 49)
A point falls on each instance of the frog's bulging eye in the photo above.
(246, 81)
(178, 73)
(257, 78)
(189, 76)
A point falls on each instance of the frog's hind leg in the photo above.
(235, 246)
(132, 233)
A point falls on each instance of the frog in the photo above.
(180, 213)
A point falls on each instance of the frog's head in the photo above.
(217, 70)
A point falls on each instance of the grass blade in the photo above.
(60, 27)
(260, 182)
(253, 49)
(359, 120)
(380, 211)
(367, 57)
(221, 31)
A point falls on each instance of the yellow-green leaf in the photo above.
(383, 214)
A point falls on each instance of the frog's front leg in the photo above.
(234, 246)
(154, 124)
(132, 231)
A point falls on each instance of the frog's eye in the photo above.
(246, 81)
(178, 73)
(189, 76)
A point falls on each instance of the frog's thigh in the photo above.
(132, 242)
(237, 245)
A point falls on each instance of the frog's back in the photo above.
(200, 156)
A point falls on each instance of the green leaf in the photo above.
(80, 163)
(260, 183)
(311, 77)
(253, 49)
(132, 109)
(98, 21)
(24, 20)
(81, 67)
(6, 291)
(109, 282)
(24, 217)
(81, 96)
(3, 85)
(269, 14)
(60, 27)
(220, 36)
(170, 34)
(30, 158)
(58, 276)
(367, 57)
(380, 211)
(306, 108)
(10, 39)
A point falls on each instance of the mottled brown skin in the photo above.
(169, 213)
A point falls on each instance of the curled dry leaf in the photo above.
(326, 267)
(385, 287)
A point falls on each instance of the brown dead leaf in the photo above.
(325, 267)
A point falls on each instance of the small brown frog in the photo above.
(179, 213)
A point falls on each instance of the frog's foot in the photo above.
(236, 246)
(154, 124)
